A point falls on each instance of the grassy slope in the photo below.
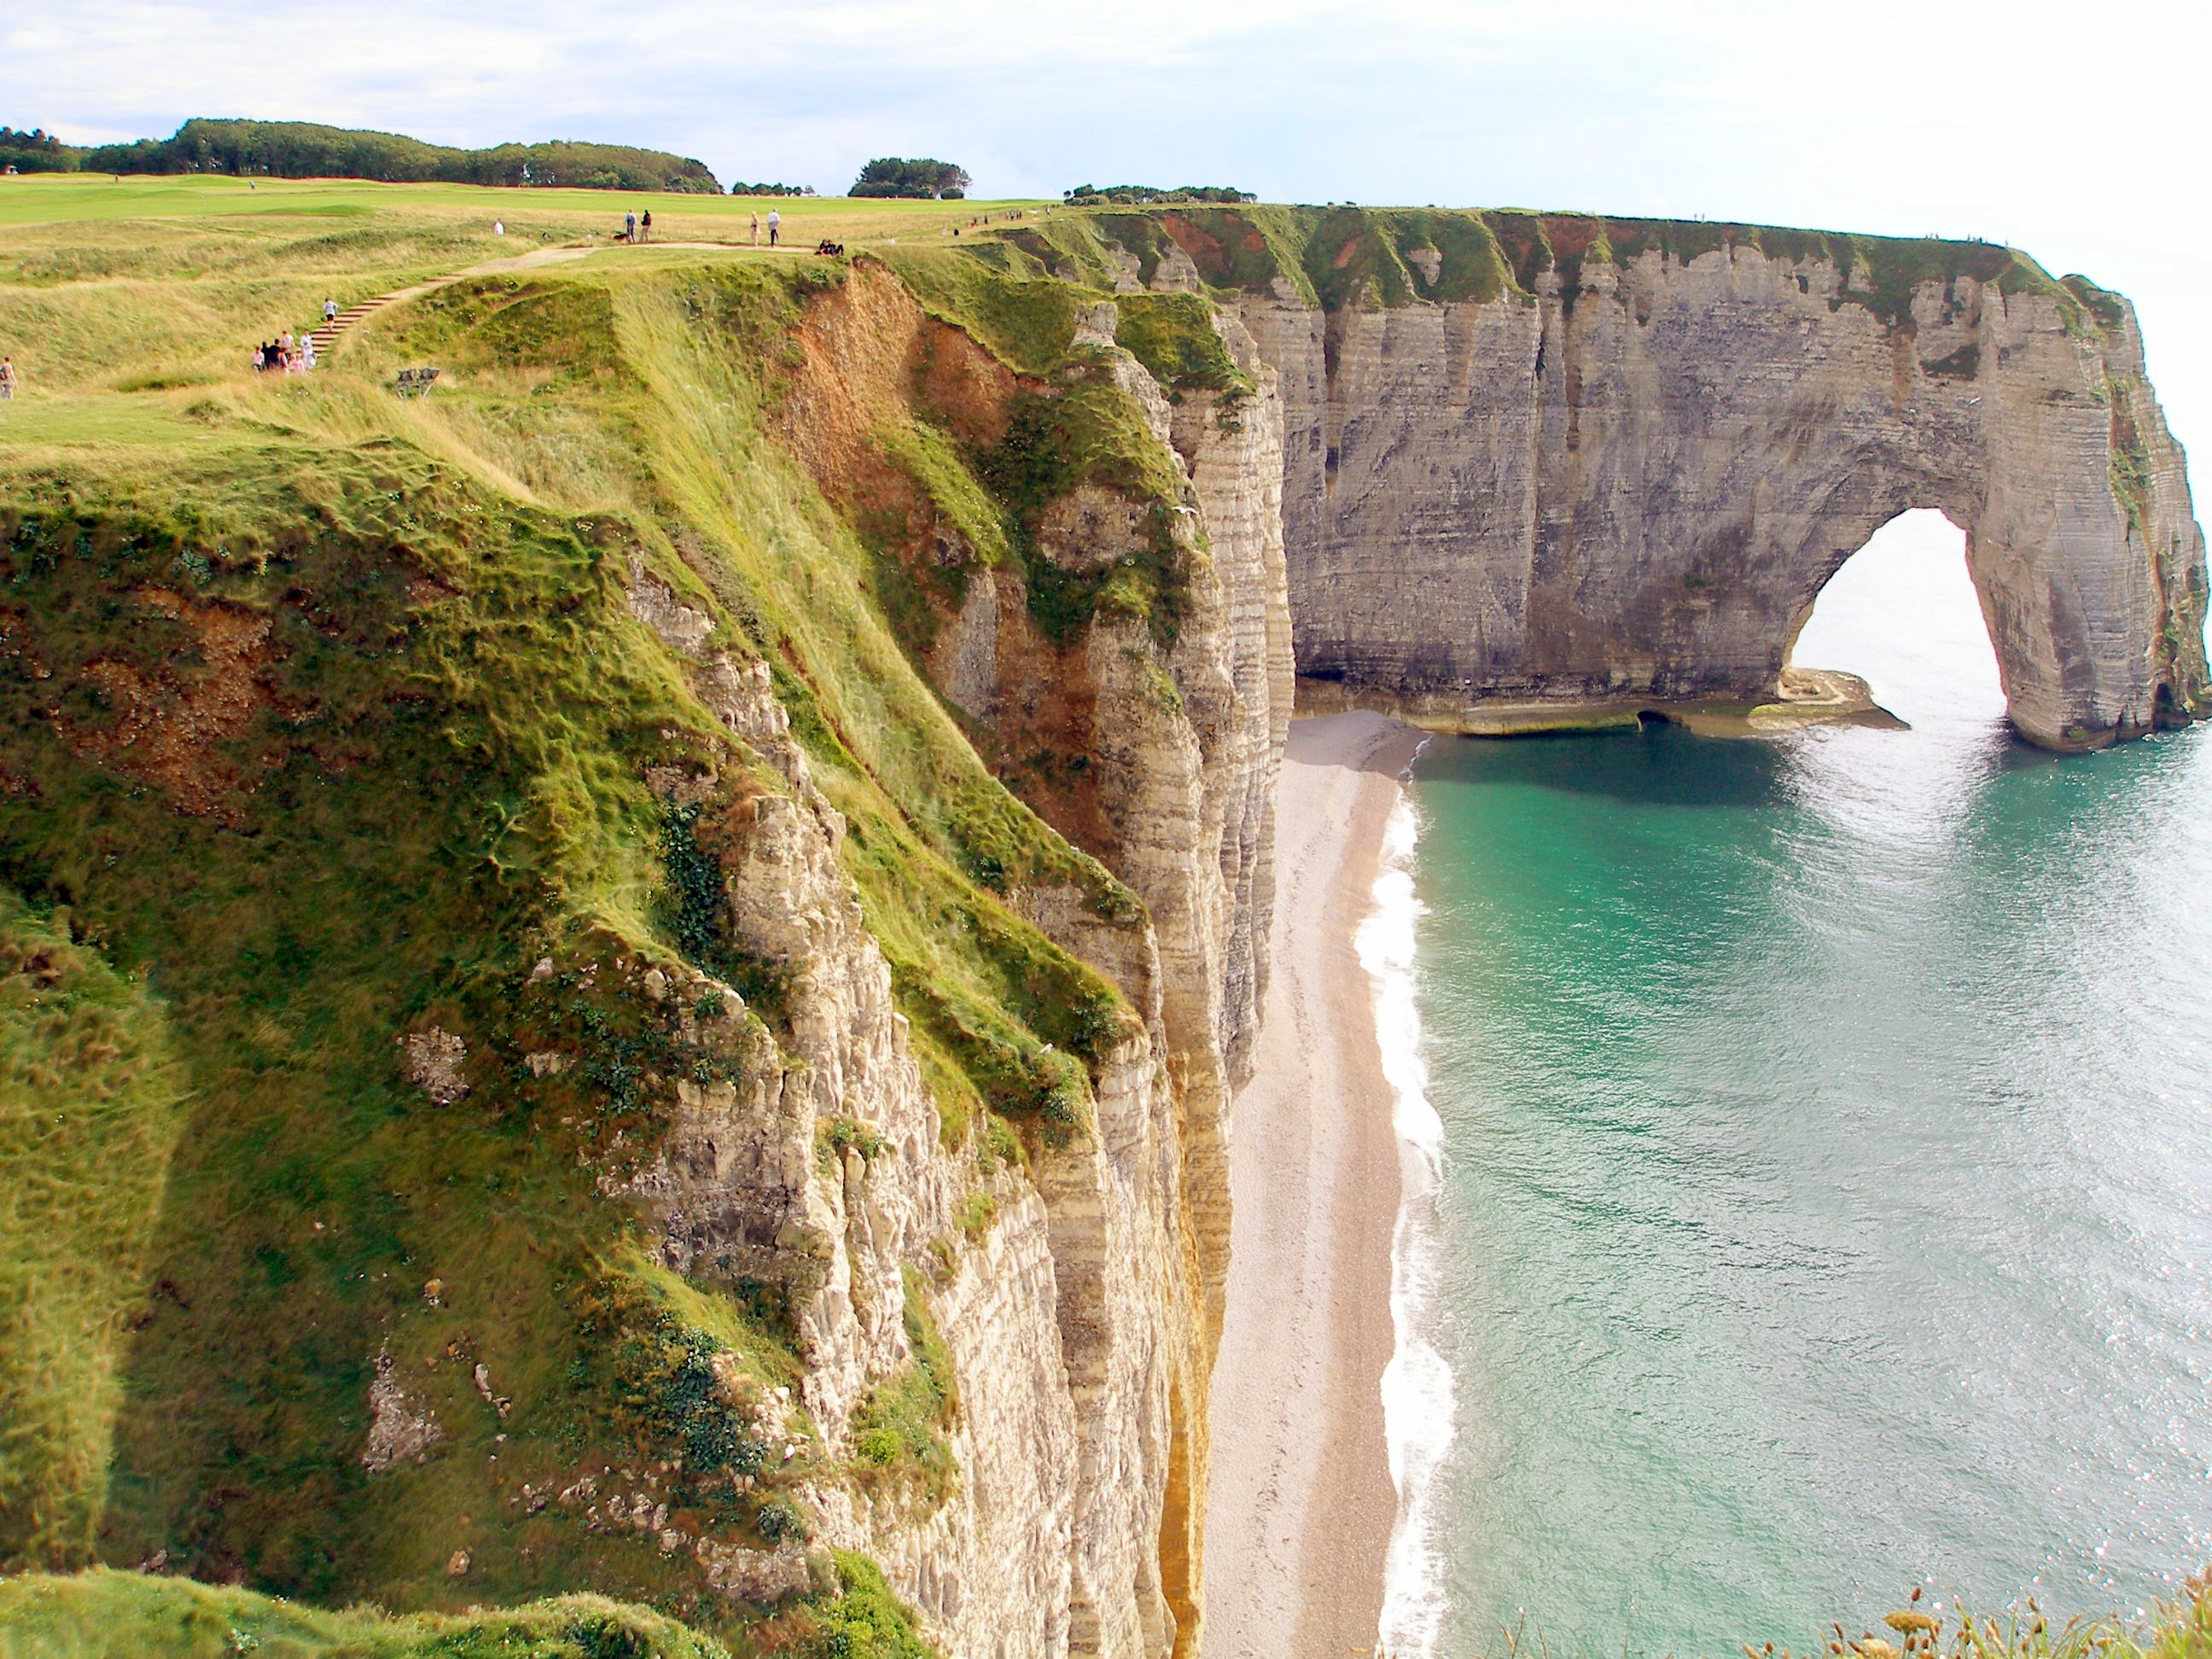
(108, 1615)
(1383, 256)
(78, 198)
(422, 770)
(90, 1108)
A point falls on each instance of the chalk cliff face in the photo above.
(1081, 1322)
(1620, 478)
(1609, 482)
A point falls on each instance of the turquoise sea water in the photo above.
(1827, 1194)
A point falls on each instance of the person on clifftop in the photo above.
(629, 227)
(774, 220)
(645, 227)
(7, 379)
(756, 226)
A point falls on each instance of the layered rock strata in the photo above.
(1625, 486)
(1081, 1321)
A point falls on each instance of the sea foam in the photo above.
(1417, 1384)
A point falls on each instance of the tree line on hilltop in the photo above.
(1139, 195)
(303, 149)
(35, 151)
(923, 178)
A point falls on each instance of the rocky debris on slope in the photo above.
(763, 1577)
(431, 1058)
(401, 1428)
(682, 628)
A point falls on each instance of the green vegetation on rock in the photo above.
(862, 1620)
(898, 1430)
(1174, 336)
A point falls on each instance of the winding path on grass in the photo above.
(328, 332)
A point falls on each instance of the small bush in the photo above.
(862, 1621)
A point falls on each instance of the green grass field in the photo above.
(136, 283)
(75, 197)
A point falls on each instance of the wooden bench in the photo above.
(415, 382)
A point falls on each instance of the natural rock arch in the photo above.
(1903, 612)
(1626, 487)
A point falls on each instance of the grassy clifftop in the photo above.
(338, 845)
(1390, 257)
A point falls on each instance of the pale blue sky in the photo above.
(2076, 132)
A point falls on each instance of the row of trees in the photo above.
(35, 151)
(922, 179)
(303, 149)
(1139, 195)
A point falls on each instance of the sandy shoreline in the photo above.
(1301, 1505)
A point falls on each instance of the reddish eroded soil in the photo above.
(871, 353)
(872, 356)
(164, 727)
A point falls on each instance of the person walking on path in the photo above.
(7, 379)
(645, 227)
(629, 227)
(775, 219)
(756, 226)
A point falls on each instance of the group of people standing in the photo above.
(638, 228)
(285, 354)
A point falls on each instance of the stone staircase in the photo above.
(345, 320)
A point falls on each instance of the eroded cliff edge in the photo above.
(707, 893)
(1543, 467)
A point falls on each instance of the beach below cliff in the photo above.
(1300, 1503)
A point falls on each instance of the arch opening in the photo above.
(1903, 614)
